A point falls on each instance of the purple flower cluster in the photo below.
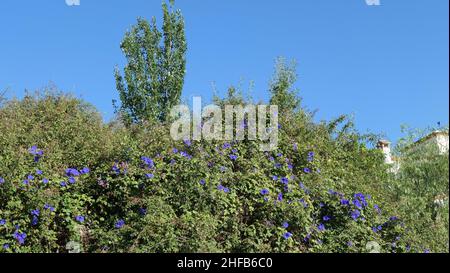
(220, 187)
(36, 152)
(49, 207)
(376, 229)
(119, 224)
(79, 218)
(310, 156)
(287, 235)
(20, 237)
(148, 162)
(355, 214)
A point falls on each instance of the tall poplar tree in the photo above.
(156, 64)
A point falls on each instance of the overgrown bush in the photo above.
(71, 183)
(420, 191)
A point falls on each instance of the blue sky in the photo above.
(387, 65)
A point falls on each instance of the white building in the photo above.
(438, 139)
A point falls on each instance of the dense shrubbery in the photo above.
(67, 179)
(420, 192)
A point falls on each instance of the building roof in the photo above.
(432, 135)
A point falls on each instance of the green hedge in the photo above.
(69, 182)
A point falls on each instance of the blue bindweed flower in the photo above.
(326, 218)
(36, 152)
(355, 214)
(275, 178)
(307, 237)
(357, 203)
(119, 224)
(2, 180)
(377, 208)
(45, 181)
(72, 172)
(290, 167)
(310, 156)
(49, 207)
(202, 182)
(303, 203)
(278, 165)
(79, 218)
(376, 229)
(226, 146)
(63, 184)
(264, 192)
(72, 180)
(115, 168)
(2, 222)
(39, 172)
(285, 180)
(295, 147)
(85, 170)
(149, 175)
(148, 162)
(345, 202)
(321, 227)
(30, 177)
(360, 197)
(393, 218)
(287, 235)
(142, 211)
(280, 197)
(34, 221)
(186, 155)
(350, 243)
(285, 225)
(6, 246)
(20, 237)
(233, 157)
(175, 151)
(35, 212)
(307, 170)
(222, 188)
(187, 142)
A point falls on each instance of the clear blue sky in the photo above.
(387, 64)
